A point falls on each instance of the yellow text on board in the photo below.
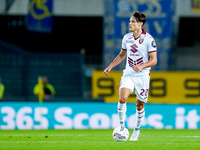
(165, 87)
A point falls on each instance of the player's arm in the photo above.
(152, 62)
(116, 61)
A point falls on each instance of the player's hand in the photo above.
(106, 71)
(137, 68)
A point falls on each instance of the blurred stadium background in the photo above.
(72, 41)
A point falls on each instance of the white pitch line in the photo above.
(181, 143)
(184, 136)
(41, 135)
(24, 142)
(48, 142)
(195, 136)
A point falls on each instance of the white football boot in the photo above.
(135, 136)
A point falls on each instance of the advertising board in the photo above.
(165, 87)
(29, 115)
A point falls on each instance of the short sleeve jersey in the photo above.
(138, 50)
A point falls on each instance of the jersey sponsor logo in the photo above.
(153, 44)
(134, 54)
(141, 40)
(129, 41)
(133, 48)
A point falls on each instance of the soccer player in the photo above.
(139, 49)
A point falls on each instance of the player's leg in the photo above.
(125, 89)
(140, 112)
(123, 96)
(141, 91)
(139, 117)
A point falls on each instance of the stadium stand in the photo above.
(19, 69)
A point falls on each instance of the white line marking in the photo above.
(195, 136)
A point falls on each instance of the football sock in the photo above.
(122, 113)
(139, 117)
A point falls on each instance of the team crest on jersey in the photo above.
(141, 40)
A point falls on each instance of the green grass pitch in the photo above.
(150, 139)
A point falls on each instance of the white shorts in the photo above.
(140, 84)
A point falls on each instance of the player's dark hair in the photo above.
(140, 17)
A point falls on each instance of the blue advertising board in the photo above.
(55, 115)
(39, 18)
(159, 24)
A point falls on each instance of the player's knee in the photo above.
(139, 106)
(122, 100)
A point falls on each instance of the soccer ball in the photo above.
(120, 134)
